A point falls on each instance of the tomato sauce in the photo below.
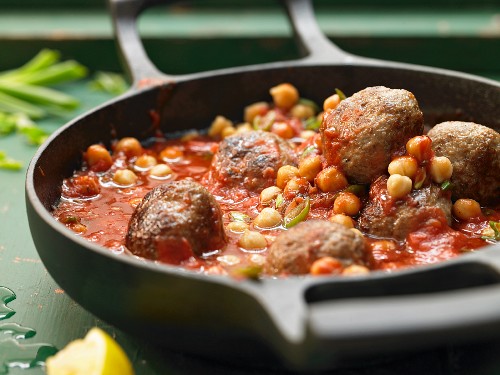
(98, 208)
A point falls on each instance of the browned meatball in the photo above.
(474, 151)
(251, 160)
(175, 220)
(384, 216)
(365, 131)
(294, 251)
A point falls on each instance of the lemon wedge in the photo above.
(96, 354)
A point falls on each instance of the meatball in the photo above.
(294, 251)
(251, 160)
(174, 221)
(366, 130)
(384, 216)
(474, 151)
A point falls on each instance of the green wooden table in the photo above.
(466, 39)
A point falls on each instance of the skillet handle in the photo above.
(464, 306)
(313, 42)
(134, 58)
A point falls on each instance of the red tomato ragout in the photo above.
(259, 201)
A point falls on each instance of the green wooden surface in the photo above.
(178, 42)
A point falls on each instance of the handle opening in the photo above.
(436, 280)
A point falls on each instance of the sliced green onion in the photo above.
(495, 225)
(38, 95)
(312, 123)
(340, 94)
(43, 59)
(297, 214)
(62, 72)
(447, 185)
(7, 124)
(239, 216)
(358, 190)
(8, 163)
(10, 104)
(249, 272)
(112, 83)
(308, 151)
(264, 122)
(279, 200)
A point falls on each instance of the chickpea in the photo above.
(243, 127)
(285, 174)
(302, 111)
(254, 110)
(269, 194)
(420, 148)
(283, 130)
(345, 220)
(229, 260)
(237, 226)
(284, 95)
(326, 266)
(382, 246)
(466, 209)
(404, 165)
(257, 259)
(310, 167)
(358, 232)
(355, 269)
(251, 240)
(306, 134)
(331, 102)
(218, 125)
(297, 185)
(171, 153)
(160, 170)
(124, 177)
(330, 179)
(145, 161)
(347, 204)
(441, 169)
(130, 146)
(399, 186)
(227, 131)
(268, 218)
(98, 158)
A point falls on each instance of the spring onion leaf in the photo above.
(58, 73)
(38, 95)
(340, 94)
(312, 123)
(8, 163)
(111, 83)
(43, 59)
(495, 226)
(249, 272)
(446, 185)
(264, 122)
(358, 190)
(239, 216)
(297, 214)
(279, 200)
(22, 124)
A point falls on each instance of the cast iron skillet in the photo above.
(303, 322)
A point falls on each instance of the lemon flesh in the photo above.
(96, 354)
